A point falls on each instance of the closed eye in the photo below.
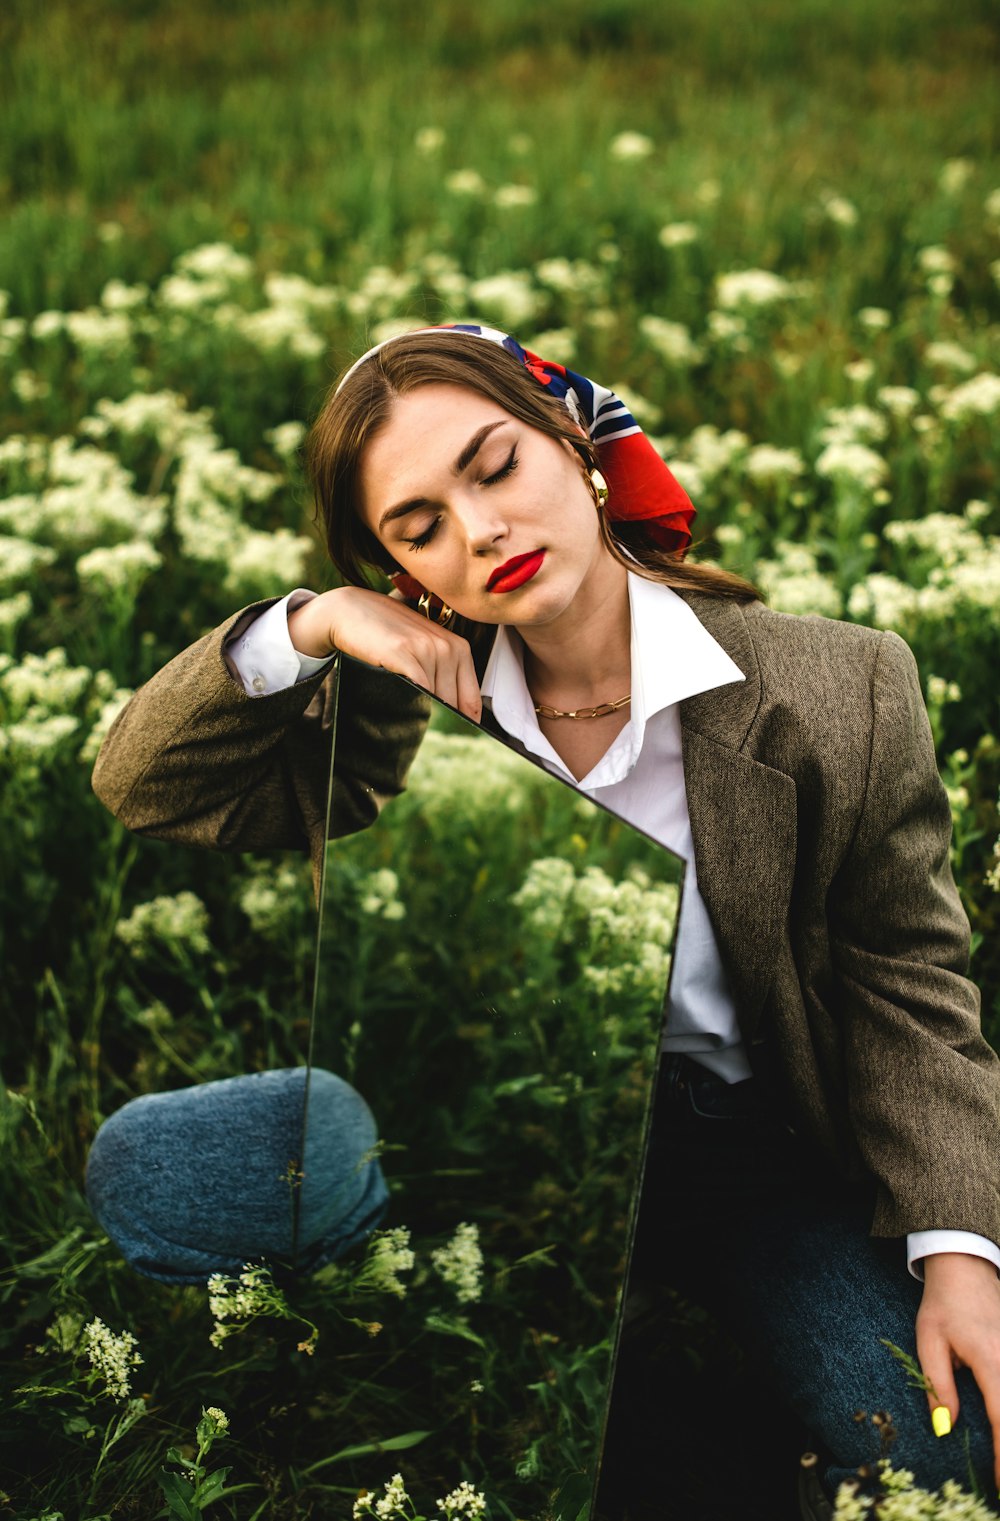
(424, 538)
(504, 471)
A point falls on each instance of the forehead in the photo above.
(424, 434)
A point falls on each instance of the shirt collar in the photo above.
(673, 657)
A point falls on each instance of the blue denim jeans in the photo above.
(745, 1218)
(196, 1181)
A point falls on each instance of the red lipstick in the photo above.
(514, 573)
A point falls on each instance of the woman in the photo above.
(826, 1086)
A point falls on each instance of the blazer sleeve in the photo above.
(923, 1082)
(193, 758)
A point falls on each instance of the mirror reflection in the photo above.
(493, 961)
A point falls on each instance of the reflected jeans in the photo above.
(197, 1181)
(746, 1219)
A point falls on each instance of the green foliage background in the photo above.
(133, 133)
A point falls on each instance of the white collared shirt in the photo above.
(640, 777)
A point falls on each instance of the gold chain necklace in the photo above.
(601, 711)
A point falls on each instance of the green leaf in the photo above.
(212, 1488)
(449, 1327)
(178, 1492)
(391, 1444)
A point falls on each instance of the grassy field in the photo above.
(775, 229)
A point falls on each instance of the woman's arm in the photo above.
(194, 758)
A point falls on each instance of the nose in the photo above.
(482, 523)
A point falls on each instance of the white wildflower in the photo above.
(217, 1419)
(852, 462)
(38, 736)
(20, 560)
(508, 197)
(955, 174)
(280, 327)
(707, 193)
(946, 355)
(751, 287)
(46, 682)
(557, 344)
(183, 293)
(106, 716)
(395, 1497)
(713, 451)
(935, 260)
(429, 140)
(460, 1263)
(118, 568)
(991, 205)
(978, 397)
(379, 895)
(297, 291)
(259, 564)
(110, 232)
(508, 296)
(571, 277)
(273, 899)
(463, 1501)
(875, 318)
(113, 1357)
(857, 424)
(179, 922)
(767, 463)
(218, 261)
(883, 600)
(860, 371)
(28, 387)
(13, 611)
(630, 145)
(119, 297)
(900, 401)
(465, 182)
(839, 209)
(671, 340)
(102, 332)
(794, 584)
(286, 439)
(726, 328)
(48, 325)
(678, 234)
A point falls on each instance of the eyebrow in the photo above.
(463, 462)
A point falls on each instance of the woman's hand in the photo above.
(958, 1325)
(383, 631)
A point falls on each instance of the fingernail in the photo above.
(941, 1420)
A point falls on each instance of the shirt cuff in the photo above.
(926, 1243)
(263, 656)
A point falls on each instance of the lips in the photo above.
(514, 573)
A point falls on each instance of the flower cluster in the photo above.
(460, 1263)
(901, 1499)
(389, 1254)
(178, 922)
(112, 1357)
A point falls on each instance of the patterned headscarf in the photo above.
(640, 487)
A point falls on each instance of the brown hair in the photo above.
(355, 410)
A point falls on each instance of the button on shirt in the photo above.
(640, 777)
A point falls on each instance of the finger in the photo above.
(934, 1356)
(470, 699)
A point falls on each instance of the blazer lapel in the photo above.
(743, 818)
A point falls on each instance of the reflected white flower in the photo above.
(751, 287)
(899, 400)
(671, 340)
(509, 196)
(875, 318)
(678, 234)
(460, 1263)
(853, 462)
(429, 140)
(113, 1357)
(378, 895)
(465, 182)
(178, 922)
(274, 899)
(631, 145)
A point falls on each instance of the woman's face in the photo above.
(495, 518)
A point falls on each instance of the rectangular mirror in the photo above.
(491, 977)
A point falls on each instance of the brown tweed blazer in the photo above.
(821, 833)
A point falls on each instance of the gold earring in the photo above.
(442, 616)
(599, 487)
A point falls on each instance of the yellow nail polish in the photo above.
(941, 1420)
